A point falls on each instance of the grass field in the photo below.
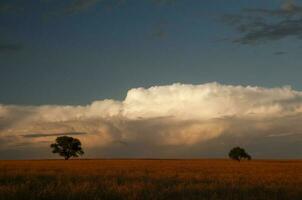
(150, 179)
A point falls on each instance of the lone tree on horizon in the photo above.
(238, 153)
(67, 147)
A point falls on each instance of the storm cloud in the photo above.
(173, 120)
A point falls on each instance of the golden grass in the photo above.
(150, 179)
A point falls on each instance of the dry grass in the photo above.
(150, 179)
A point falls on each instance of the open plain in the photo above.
(150, 179)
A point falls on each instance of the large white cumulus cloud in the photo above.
(177, 116)
(209, 101)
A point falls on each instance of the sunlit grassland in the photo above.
(150, 179)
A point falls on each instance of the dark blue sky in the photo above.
(77, 51)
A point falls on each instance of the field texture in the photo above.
(150, 179)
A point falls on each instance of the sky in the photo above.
(151, 78)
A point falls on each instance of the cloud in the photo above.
(7, 47)
(277, 53)
(287, 8)
(36, 135)
(262, 25)
(282, 135)
(172, 120)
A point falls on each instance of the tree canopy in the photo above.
(67, 147)
(238, 153)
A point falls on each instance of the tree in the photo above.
(238, 153)
(67, 147)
